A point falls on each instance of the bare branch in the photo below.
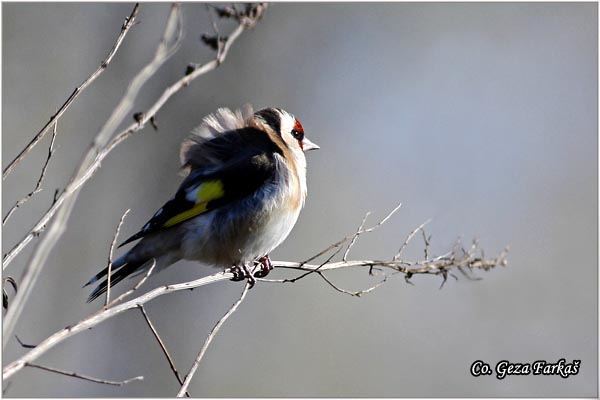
(38, 185)
(84, 377)
(434, 266)
(110, 256)
(104, 314)
(162, 346)
(129, 22)
(58, 226)
(211, 335)
(193, 72)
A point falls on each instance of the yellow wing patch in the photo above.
(207, 191)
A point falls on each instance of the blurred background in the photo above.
(482, 116)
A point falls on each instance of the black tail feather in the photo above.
(118, 263)
(132, 238)
(115, 277)
(102, 274)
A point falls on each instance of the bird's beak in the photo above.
(308, 145)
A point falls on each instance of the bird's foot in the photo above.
(242, 273)
(238, 275)
(265, 266)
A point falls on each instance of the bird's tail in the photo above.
(121, 268)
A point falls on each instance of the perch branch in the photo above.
(209, 338)
(440, 265)
(129, 22)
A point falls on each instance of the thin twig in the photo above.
(110, 256)
(312, 271)
(218, 38)
(38, 185)
(136, 287)
(210, 337)
(356, 235)
(427, 241)
(338, 244)
(129, 22)
(354, 294)
(193, 73)
(13, 283)
(409, 237)
(169, 42)
(84, 377)
(349, 237)
(162, 346)
(25, 345)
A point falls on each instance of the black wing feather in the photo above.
(239, 179)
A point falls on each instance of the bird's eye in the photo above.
(298, 135)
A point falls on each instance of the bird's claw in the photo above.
(242, 273)
(265, 266)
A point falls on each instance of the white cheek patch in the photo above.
(287, 124)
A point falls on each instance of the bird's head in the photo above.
(286, 126)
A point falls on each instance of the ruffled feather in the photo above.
(200, 150)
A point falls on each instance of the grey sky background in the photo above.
(482, 116)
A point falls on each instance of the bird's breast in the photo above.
(243, 230)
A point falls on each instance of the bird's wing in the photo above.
(217, 139)
(198, 152)
(202, 192)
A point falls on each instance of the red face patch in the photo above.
(298, 127)
(298, 133)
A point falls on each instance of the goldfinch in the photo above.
(244, 189)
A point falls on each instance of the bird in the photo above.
(244, 188)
